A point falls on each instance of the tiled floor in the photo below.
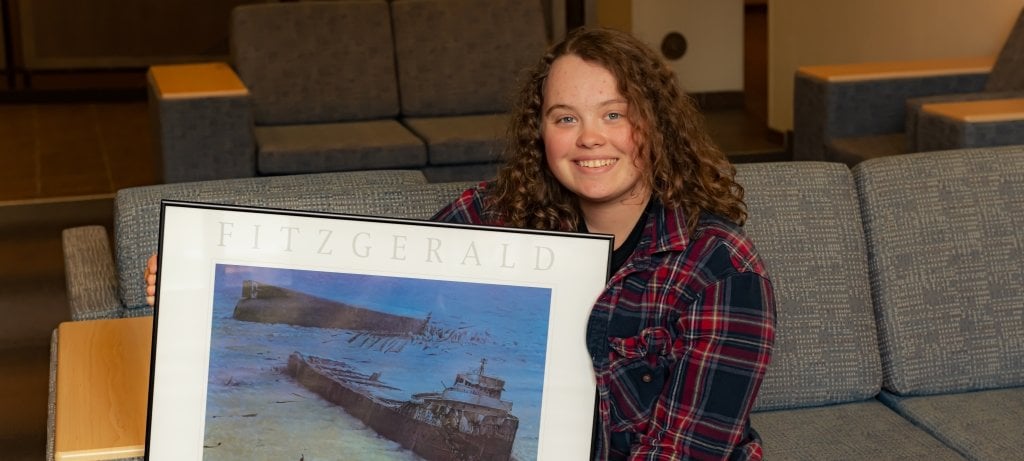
(59, 167)
(66, 150)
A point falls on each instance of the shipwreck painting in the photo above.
(301, 335)
(309, 365)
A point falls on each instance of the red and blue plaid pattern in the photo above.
(680, 339)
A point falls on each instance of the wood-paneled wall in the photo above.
(80, 34)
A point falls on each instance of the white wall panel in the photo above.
(714, 33)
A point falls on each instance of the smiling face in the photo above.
(588, 136)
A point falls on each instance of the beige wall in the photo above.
(812, 32)
(713, 30)
(714, 35)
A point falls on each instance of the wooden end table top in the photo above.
(989, 110)
(102, 388)
(898, 69)
(181, 81)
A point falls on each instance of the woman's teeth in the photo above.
(595, 163)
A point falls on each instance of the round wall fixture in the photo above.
(673, 46)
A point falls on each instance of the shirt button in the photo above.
(646, 378)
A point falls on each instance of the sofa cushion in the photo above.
(377, 144)
(863, 430)
(386, 193)
(945, 237)
(984, 425)
(806, 226)
(463, 56)
(315, 62)
(461, 139)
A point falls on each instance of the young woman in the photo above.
(603, 140)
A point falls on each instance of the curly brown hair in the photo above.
(683, 167)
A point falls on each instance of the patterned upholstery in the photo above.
(825, 111)
(316, 62)
(203, 138)
(374, 144)
(89, 274)
(982, 425)
(459, 57)
(1008, 71)
(936, 132)
(324, 88)
(458, 63)
(462, 139)
(854, 431)
(945, 238)
(914, 111)
(806, 225)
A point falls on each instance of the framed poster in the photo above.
(297, 335)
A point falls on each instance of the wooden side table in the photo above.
(979, 123)
(102, 388)
(203, 119)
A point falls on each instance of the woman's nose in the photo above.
(590, 136)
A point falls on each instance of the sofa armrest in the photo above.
(202, 118)
(869, 98)
(89, 274)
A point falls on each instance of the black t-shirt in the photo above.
(621, 254)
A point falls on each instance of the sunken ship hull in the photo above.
(431, 426)
(266, 303)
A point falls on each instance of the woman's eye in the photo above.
(614, 116)
(565, 119)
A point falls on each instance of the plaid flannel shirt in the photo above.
(680, 339)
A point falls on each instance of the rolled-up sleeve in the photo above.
(722, 350)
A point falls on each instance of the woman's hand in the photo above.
(150, 276)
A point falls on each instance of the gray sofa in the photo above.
(899, 285)
(324, 86)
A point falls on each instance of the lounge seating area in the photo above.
(899, 283)
(349, 85)
(853, 112)
(894, 240)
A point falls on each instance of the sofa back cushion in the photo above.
(804, 221)
(460, 57)
(310, 62)
(1008, 71)
(945, 235)
(393, 193)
